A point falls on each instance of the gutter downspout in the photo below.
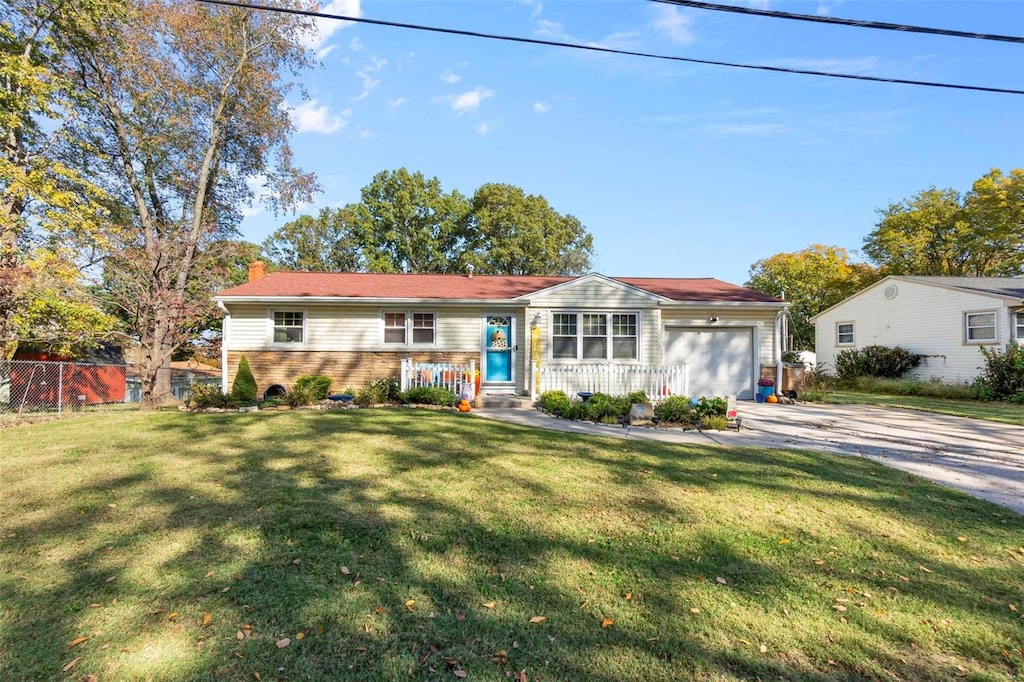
(777, 350)
(225, 328)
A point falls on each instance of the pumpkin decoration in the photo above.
(772, 398)
(464, 405)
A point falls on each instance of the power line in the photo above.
(843, 22)
(609, 50)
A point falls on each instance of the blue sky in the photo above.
(677, 170)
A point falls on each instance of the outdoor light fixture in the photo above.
(712, 320)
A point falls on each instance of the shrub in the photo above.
(876, 361)
(554, 402)
(320, 385)
(244, 387)
(379, 391)
(301, 395)
(428, 395)
(714, 422)
(575, 410)
(637, 398)
(1002, 377)
(207, 395)
(711, 407)
(675, 409)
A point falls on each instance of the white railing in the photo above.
(459, 379)
(657, 381)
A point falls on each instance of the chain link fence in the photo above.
(31, 388)
(43, 388)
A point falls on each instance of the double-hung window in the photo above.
(1019, 326)
(594, 336)
(289, 326)
(409, 329)
(979, 327)
(844, 334)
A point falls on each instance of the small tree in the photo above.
(1002, 378)
(244, 387)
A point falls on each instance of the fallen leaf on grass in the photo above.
(344, 570)
(720, 580)
(763, 649)
(961, 538)
(209, 574)
(110, 579)
(239, 635)
(300, 635)
(410, 604)
(207, 619)
(257, 677)
(172, 615)
(838, 607)
(743, 641)
(629, 595)
(282, 643)
(71, 664)
(76, 641)
(459, 673)
(694, 610)
(924, 569)
(538, 619)
(500, 656)
(607, 622)
(489, 605)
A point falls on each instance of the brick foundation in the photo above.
(347, 369)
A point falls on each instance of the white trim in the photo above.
(408, 343)
(224, 337)
(853, 333)
(281, 345)
(607, 312)
(968, 341)
(596, 277)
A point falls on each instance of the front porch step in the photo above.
(498, 400)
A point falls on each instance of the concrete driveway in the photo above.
(984, 459)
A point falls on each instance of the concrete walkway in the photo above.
(984, 459)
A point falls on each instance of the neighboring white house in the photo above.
(358, 327)
(945, 319)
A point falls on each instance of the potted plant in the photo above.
(765, 388)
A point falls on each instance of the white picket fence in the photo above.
(657, 381)
(459, 379)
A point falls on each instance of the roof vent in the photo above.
(891, 291)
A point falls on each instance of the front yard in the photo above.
(409, 544)
(994, 411)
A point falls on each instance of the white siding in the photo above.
(923, 319)
(594, 294)
(350, 328)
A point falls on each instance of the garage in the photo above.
(720, 360)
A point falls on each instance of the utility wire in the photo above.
(608, 50)
(844, 22)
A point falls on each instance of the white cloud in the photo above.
(537, 6)
(325, 28)
(553, 30)
(310, 118)
(450, 77)
(355, 44)
(485, 127)
(760, 4)
(366, 74)
(852, 65)
(671, 23)
(396, 102)
(324, 51)
(541, 107)
(825, 7)
(471, 100)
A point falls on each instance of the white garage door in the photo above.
(720, 361)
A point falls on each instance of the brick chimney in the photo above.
(257, 269)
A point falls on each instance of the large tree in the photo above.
(812, 280)
(945, 232)
(186, 103)
(406, 222)
(326, 242)
(513, 233)
(51, 215)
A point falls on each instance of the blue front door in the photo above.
(498, 349)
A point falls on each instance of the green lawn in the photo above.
(995, 411)
(418, 545)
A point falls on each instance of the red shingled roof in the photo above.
(482, 287)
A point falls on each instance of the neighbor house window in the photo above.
(289, 326)
(980, 327)
(1019, 325)
(399, 328)
(594, 336)
(844, 334)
